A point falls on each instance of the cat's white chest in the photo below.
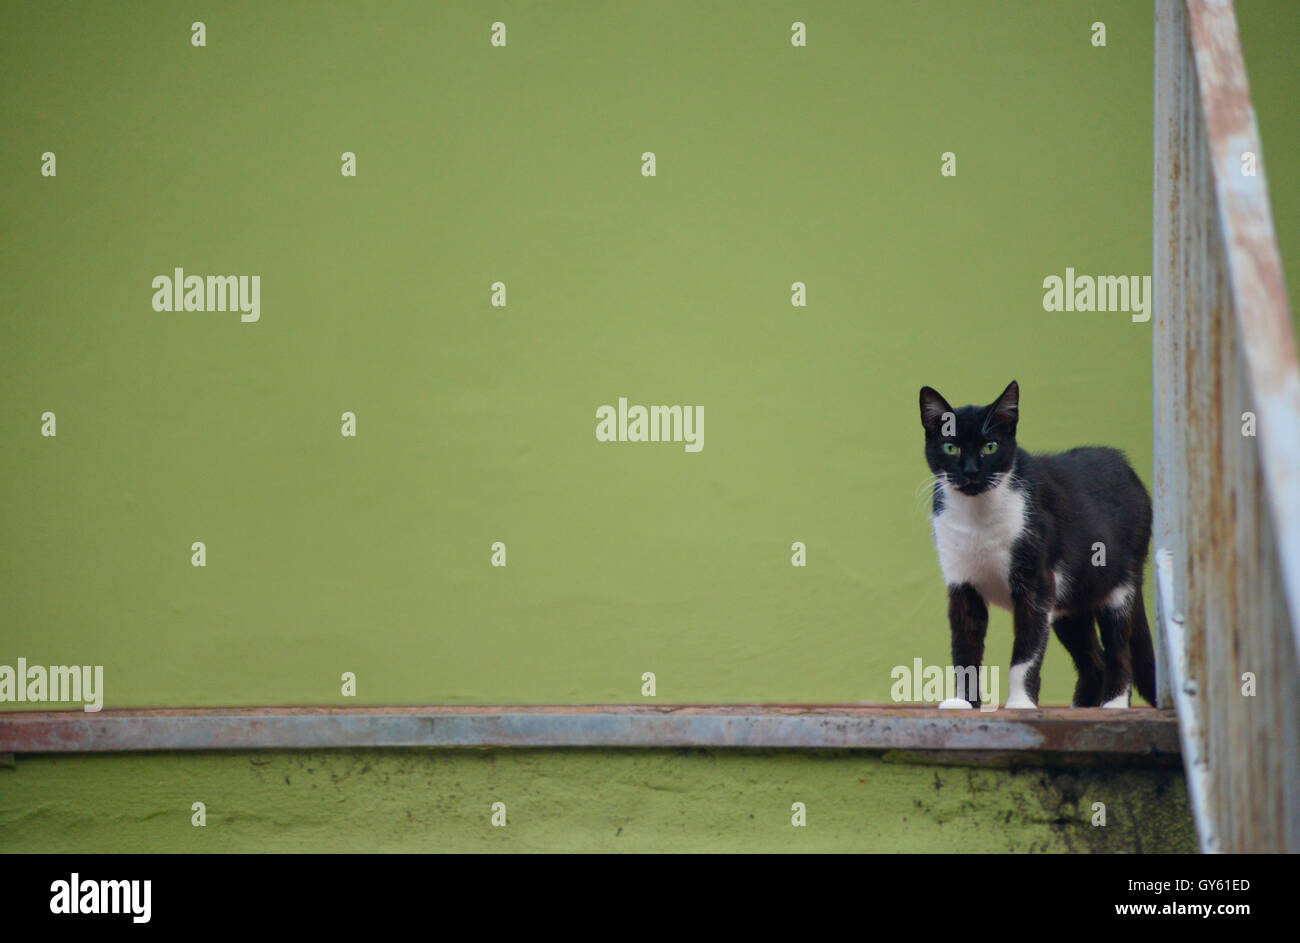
(974, 536)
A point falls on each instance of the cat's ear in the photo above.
(933, 406)
(1005, 411)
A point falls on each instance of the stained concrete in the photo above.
(576, 800)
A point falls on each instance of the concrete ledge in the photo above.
(1133, 733)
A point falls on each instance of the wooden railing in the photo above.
(1227, 443)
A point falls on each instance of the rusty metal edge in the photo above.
(1135, 732)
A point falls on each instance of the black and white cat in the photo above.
(1060, 540)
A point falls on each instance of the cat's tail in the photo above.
(1141, 651)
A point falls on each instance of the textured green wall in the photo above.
(476, 424)
(571, 800)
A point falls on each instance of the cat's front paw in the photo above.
(955, 704)
(1020, 702)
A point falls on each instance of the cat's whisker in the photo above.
(923, 496)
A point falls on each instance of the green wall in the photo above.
(573, 800)
(476, 424)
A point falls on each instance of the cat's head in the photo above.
(971, 445)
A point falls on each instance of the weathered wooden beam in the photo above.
(1253, 261)
(1227, 442)
(1134, 733)
(1196, 764)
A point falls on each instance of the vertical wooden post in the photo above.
(1227, 528)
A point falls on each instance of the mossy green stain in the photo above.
(578, 800)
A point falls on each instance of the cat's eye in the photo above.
(950, 449)
(990, 448)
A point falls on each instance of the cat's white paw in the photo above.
(955, 704)
(1120, 700)
(1020, 702)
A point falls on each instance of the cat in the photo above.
(1060, 540)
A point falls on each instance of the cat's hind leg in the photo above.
(1114, 618)
(1142, 650)
(1079, 636)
